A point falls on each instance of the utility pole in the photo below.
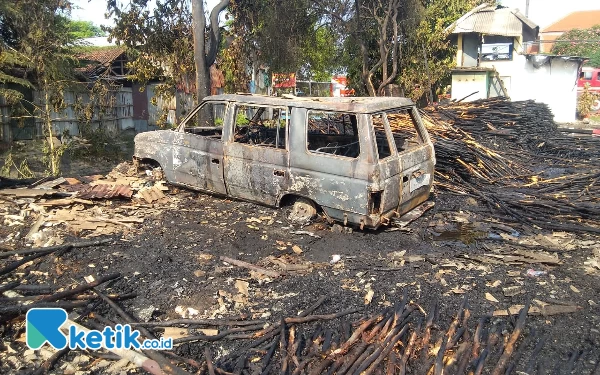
(526, 8)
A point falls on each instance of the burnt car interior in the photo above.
(207, 122)
(260, 126)
(333, 133)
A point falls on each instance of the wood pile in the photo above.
(511, 156)
(401, 338)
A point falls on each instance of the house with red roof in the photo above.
(575, 20)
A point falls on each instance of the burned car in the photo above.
(361, 161)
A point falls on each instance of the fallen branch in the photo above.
(80, 288)
(199, 322)
(241, 263)
(47, 250)
(510, 345)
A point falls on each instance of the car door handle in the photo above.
(215, 161)
(279, 173)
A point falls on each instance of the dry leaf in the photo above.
(296, 249)
(369, 296)
(495, 284)
(575, 289)
(242, 287)
(175, 332)
(491, 298)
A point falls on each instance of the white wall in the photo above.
(466, 83)
(553, 81)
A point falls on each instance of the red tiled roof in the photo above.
(97, 60)
(102, 55)
(575, 20)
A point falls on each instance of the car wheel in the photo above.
(302, 212)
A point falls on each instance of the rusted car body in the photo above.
(361, 160)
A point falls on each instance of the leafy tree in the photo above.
(429, 54)
(84, 29)
(161, 41)
(320, 55)
(290, 36)
(580, 42)
(401, 42)
(36, 54)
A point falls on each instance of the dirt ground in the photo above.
(455, 250)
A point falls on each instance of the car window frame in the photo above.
(410, 110)
(287, 110)
(181, 127)
(388, 133)
(325, 154)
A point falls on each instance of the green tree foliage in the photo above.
(159, 40)
(36, 53)
(321, 55)
(276, 31)
(290, 36)
(580, 42)
(84, 29)
(409, 33)
(429, 52)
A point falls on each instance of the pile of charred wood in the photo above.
(511, 156)
(400, 339)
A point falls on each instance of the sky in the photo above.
(93, 10)
(546, 12)
(542, 12)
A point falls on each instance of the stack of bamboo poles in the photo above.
(511, 156)
(403, 338)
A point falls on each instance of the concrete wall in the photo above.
(466, 83)
(550, 80)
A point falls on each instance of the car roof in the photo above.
(344, 104)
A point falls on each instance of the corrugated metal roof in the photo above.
(101, 191)
(491, 21)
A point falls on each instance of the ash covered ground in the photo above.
(455, 250)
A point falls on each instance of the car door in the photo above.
(415, 154)
(257, 157)
(198, 148)
(389, 165)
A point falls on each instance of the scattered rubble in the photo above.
(262, 296)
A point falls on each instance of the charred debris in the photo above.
(507, 156)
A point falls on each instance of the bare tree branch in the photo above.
(215, 31)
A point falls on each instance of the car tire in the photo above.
(302, 211)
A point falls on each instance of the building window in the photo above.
(587, 76)
(496, 48)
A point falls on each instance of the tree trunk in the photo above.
(204, 57)
(198, 26)
(52, 154)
